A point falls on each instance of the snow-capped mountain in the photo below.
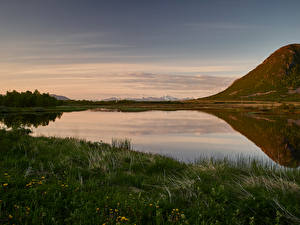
(166, 98)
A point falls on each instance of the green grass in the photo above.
(69, 181)
(131, 106)
(269, 81)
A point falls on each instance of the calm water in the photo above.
(184, 135)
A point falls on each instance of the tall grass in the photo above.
(124, 144)
(70, 181)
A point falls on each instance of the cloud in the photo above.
(92, 82)
(89, 66)
(112, 68)
(50, 49)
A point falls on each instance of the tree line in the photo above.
(28, 99)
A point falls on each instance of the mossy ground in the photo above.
(69, 181)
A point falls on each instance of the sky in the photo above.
(97, 49)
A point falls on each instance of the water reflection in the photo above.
(277, 136)
(28, 119)
(185, 135)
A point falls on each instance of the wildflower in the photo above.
(150, 205)
(97, 209)
(5, 185)
(10, 216)
(42, 177)
(116, 210)
(123, 218)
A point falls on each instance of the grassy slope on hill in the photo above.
(277, 78)
(68, 181)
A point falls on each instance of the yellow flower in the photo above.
(116, 210)
(123, 218)
(6, 184)
(43, 177)
(150, 205)
(10, 216)
(97, 209)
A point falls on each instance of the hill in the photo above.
(59, 97)
(277, 78)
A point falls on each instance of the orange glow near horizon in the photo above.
(98, 81)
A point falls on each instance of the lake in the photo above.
(184, 135)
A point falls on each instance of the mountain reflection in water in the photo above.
(277, 136)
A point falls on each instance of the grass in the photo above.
(69, 181)
(196, 104)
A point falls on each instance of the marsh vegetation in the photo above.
(70, 181)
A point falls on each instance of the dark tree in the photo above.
(28, 99)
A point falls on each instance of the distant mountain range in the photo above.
(166, 98)
(59, 97)
(143, 99)
(277, 78)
